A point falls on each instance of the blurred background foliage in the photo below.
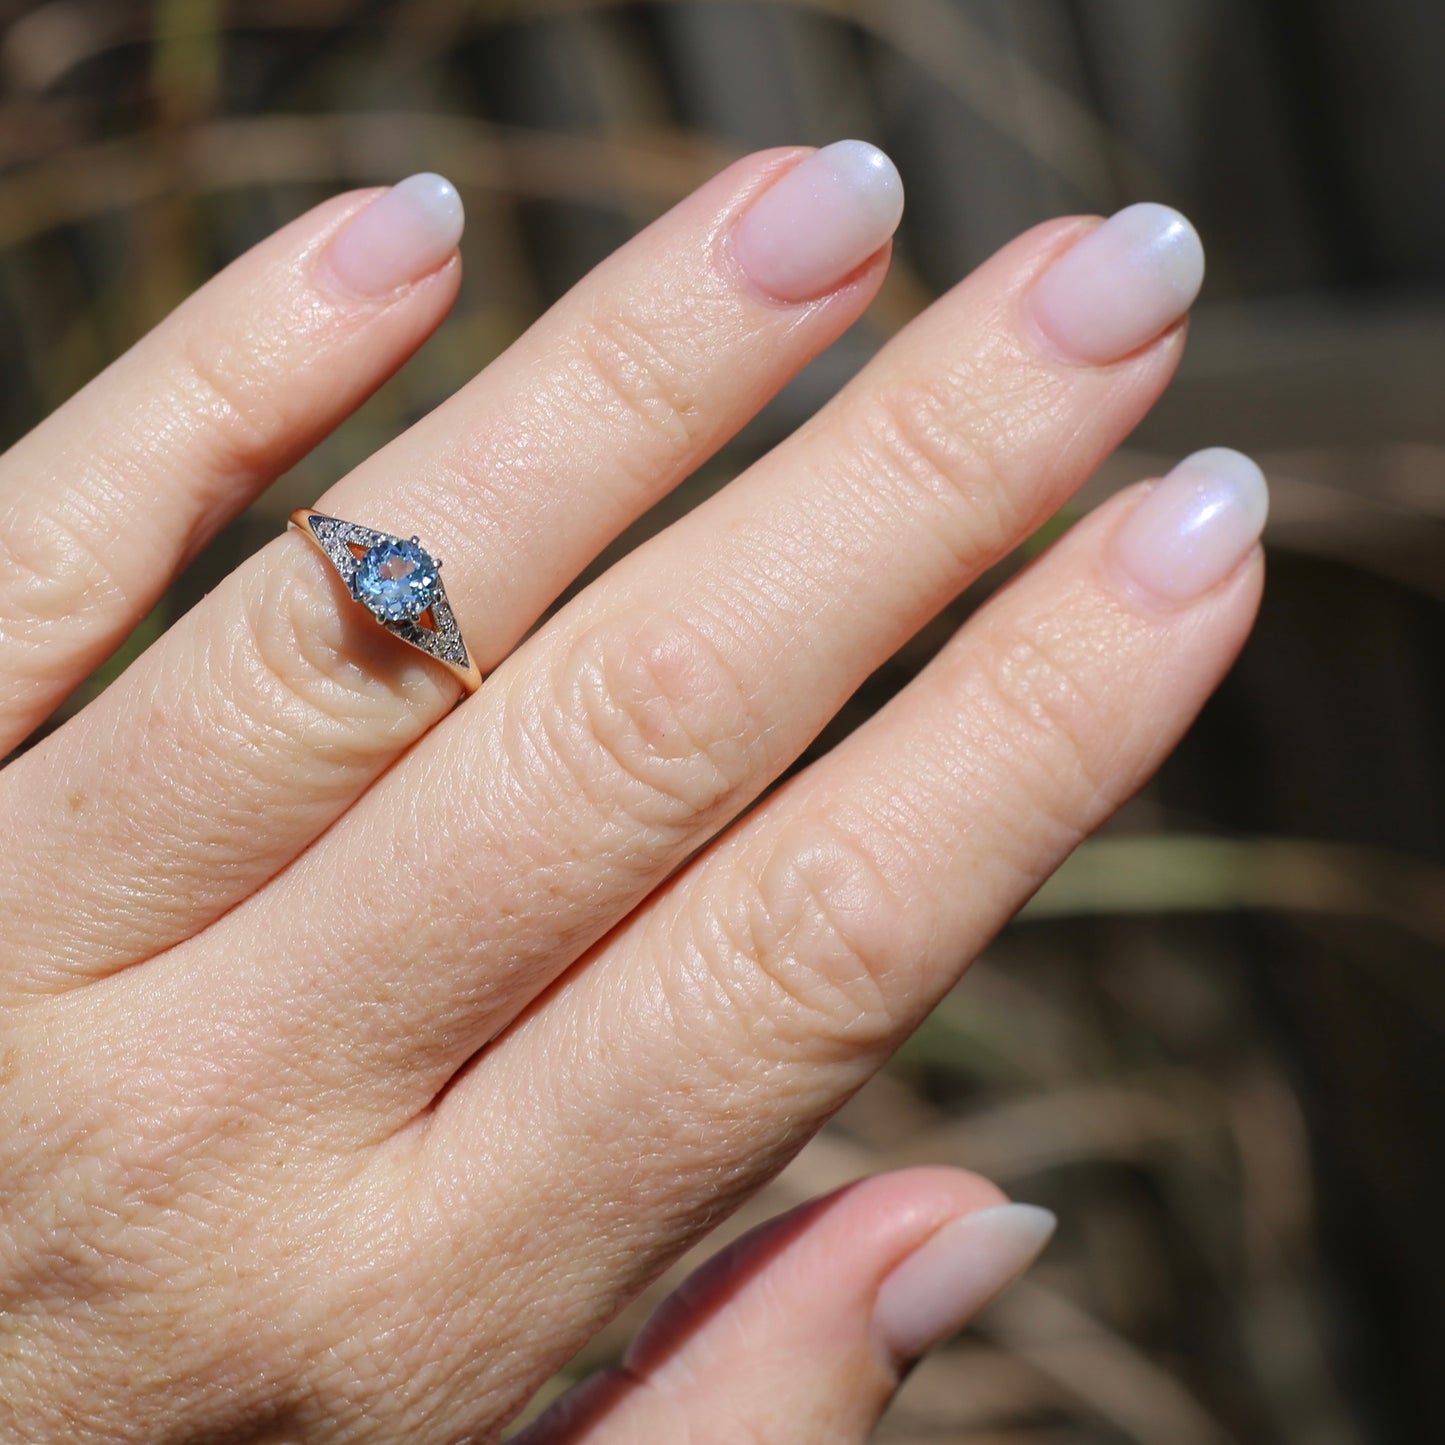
(1213, 1043)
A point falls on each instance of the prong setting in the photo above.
(398, 583)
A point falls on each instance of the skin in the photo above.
(361, 1057)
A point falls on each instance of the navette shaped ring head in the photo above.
(398, 582)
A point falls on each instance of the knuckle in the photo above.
(303, 676)
(653, 722)
(820, 930)
(630, 369)
(1049, 722)
(53, 574)
(961, 440)
(928, 434)
(229, 395)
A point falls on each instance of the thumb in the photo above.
(802, 1329)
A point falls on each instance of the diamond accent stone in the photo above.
(338, 539)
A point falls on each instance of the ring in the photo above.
(398, 582)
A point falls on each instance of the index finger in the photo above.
(103, 501)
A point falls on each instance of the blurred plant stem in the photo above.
(1164, 873)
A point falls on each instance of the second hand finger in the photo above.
(257, 719)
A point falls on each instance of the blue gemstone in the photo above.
(397, 580)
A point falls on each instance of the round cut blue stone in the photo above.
(397, 580)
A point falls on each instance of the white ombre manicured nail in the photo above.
(1194, 527)
(1124, 284)
(820, 222)
(403, 235)
(954, 1273)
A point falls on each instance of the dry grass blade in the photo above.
(238, 152)
(996, 82)
(1099, 1369)
(1182, 873)
(976, 1392)
(1109, 1123)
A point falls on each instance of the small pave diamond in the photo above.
(397, 580)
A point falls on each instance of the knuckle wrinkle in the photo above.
(628, 369)
(824, 932)
(654, 721)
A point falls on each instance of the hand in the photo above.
(268, 897)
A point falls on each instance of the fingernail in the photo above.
(403, 235)
(953, 1274)
(1196, 526)
(1124, 284)
(820, 222)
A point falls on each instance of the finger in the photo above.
(104, 500)
(267, 710)
(648, 713)
(801, 1329)
(705, 1040)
